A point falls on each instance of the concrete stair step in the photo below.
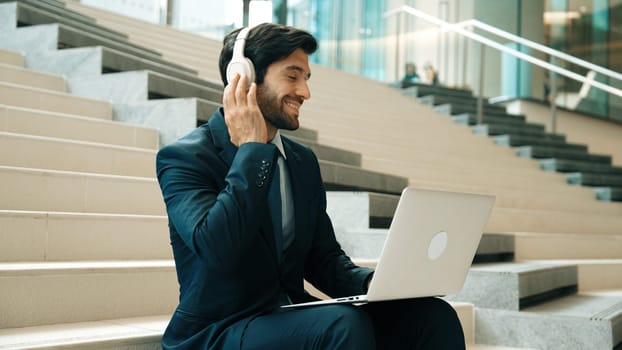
(95, 60)
(339, 177)
(28, 97)
(510, 119)
(71, 127)
(609, 193)
(535, 198)
(172, 117)
(454, 108)
(367, 243)
(134, 27)
(360, 210)
(303, 134)
(495, 247)
(508, 220)
(512, 220)
(194, 52)
(36, 294)
(594, 179)
(572, 322)
(11, 57)
(15, 75)
(594, 275)
(538, 151)
(136, 333)
(566, 166)
(28, 151)
(525, 129)
(38, 12)
(51, 190)
(49, 37)
(515, 140)
(144, 333)
(516, 285)
(541, 246)
(419, 89)
(61, 7)
(127, 87)
(460, 102)
(332, 154)
(40, 236)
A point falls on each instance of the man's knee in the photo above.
(351, 329)
(442, 312)
(444, 319)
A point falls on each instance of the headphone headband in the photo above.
(240, 42)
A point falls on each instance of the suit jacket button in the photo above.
(260, 183)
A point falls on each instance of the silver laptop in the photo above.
(429, 248)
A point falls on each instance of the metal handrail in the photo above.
(540, 47)
(491, 43)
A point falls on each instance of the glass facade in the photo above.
(360, 37)
(588, 30)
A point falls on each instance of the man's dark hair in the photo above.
(266, 43)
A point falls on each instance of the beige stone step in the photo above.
(62, 292)
(574, 199)
(131, 25)
(541, 245)
(170, 42)
(466, 314)
(27, 97)
(65, 126)
(40, 152)
(16, 75)
(136, 333)
(513, 220)
(595, 274)
(52, 190)
(11, 57)
(38, 236)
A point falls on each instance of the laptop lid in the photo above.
(430, 245)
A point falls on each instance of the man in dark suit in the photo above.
(248, 222)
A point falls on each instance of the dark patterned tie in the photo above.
(274, 203)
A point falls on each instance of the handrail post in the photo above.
(398, 28)
(465, 55)
(553, 97)
(480, 97)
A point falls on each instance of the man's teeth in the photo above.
(292, 105)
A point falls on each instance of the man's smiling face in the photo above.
(284, 90)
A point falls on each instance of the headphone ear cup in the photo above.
(242, 66)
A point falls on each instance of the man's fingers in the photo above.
(228, 96)
(240, 91)
(252, 95)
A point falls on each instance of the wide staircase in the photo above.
(85, 260)
(531, 139)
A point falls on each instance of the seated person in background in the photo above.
(431, 74)
(411, 73)
(240, 254)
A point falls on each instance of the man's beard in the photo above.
(271, 108)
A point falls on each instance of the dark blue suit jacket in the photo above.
(223, 242)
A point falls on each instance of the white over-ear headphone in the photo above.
(239, 64)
